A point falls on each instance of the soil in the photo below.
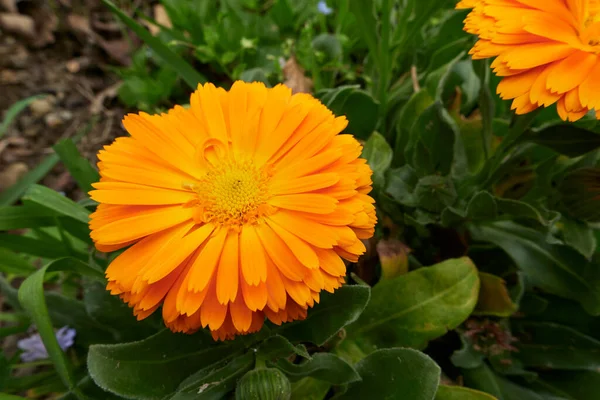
(70, 53)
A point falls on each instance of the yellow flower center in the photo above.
(232, 193)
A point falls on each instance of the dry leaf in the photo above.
(12, 174)
(294, 77)
(393, 255)
(98, 103)
(161, 17)
(80, 24)
(9, 5)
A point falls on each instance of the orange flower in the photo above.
(240, 207)
(546, 50)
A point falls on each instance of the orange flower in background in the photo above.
(240, 207)
(546, 50)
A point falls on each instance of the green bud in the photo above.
(264, 384)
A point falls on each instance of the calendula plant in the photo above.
(404, 232)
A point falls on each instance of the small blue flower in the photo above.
(324, 8)
(33, 347)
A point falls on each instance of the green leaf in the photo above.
(556, 269)
(214, 382)
(395, 374)
(431, 138)
(493, 297)
(31, 297)
(45, 248)
(324, 366)
(434, 193)
(461, 393)
(185, 70)
(578, 235)
(414, 308)
(275, 347)
(309, 389)
(521, 209)
(51, 199)
(401, 183)
(334, 312)
(482, 206)
(417, 103)
(467, 356)
(364, 15)
(482, 378)
(378, 153)
(154, 367)
(14, 111)
(79, 167)
(576, 385)
(549, 345)
(11, 263)
(565, 139)
(358, 106)
(25, 216)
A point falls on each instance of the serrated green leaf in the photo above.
(414, 308)
(324, 366)
(395, 374)
(334, 312)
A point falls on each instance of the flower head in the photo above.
(547, 51)
(240, 207)
(323, 8)
(34, 349)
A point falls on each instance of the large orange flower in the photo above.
(240, 207)
(547, 50)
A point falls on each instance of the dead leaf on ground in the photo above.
(79, 24)
(161, 18)
(117, 49)
(294, 77)
(12, 174)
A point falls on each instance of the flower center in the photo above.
(232, 193)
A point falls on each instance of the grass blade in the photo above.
(15, 110)
(182, 67)
(51, 199)
(79, 167)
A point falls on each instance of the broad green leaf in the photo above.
(578, 385)
(31, 297)
(309, 389)
(461, 393)
(324, 366)
(434, 193)
(14, 110)
(577, 234)
(48, 248)
(579, 194)
(401, 183)
(334, 312)
(414, 308)
(329, 45)
(357, 105)
(395, 374)
(467, 356)
(51, 199)
(549, 345)
(11, 263)
(556, 269)
(565, 139)
(484, 379)
(520, 209)
(185, 70)
(417, 103)
(276, 346)
(378, 153)
(154, 367)
(215, 381)
(431, 138)
(79, 167)
(493, 297)
(482, 206)
(25, 216)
